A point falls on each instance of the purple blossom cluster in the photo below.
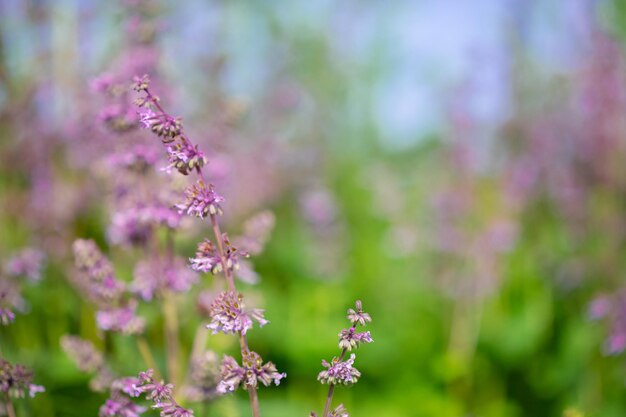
(153, 277)
(228, 315)
(25, 264)
(252, 371)
(341, 370)
(96, 279)
(85, 356)
(160, 394)
(612, 309)
(17, 380)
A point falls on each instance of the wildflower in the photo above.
(121, 319)
(16, 380)
(183, 156)
(28, 263)
(161, 395)
(349, 339)
(153, 276)
(201, 201)
(97, 278)
(141, 84)
(358, 316)
(252, 371)
(339, 411)
(228, 315)
(6, 316)
(204, 373)
(83, 353)
(339, 372)
(207, 258)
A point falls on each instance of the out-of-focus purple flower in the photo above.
(252, 371)
(349, 339)
(204, 376)
(615, 343)
(83, 353)
(120, 406)
(102, 83)
(339, 372)
(118, 118)
(16, 380)
(339, 411)
(135, 225)
(201, 200)
(358, 315)
(153, 276)
(122, 319)
(28, 263)
(161, 396)
(6, 316)
(228, 315)
(256, 232)
(599, 308)
(96, 276)
(139, 158)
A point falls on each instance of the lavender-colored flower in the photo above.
(339, 372)
(161, 395)
(6, 316)
(183, 156)
(358, 315)
(252, 371)
(83, 353)
(256, 232)
(201, 200)
(122, 319)
(207, 258)
(153, 276)
(339, 411)
(16, 380)
(120, 407)
(349, 338)
(204, 377)
(97, 278)
(228, 315)
(139, 158)
(28, 263)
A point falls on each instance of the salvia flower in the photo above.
(16, 380)
(204, 377)
(357, 315)
(201, 201)
(83, 353)
(120, 406)
(121, 319)
(161, 396)
(248, 375)
(27, 263)
(228, 315)
(153, 276)
(349, 338)
(6, 316)
(183, 156)
(339, 372)
(97, 277)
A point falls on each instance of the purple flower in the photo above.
(121, 319)
(183, 156)
(96, 276)
(599, 308)
(28, 263)
(207, 259)
(339, 411)
(120, 406)
(252, 371)
(204, 376)
(83, 353)
(16, 380)
(358, 316)
(6, 316)
(147, 118)
(201, 201)
(339, 372)
(153, 276)
(161, 395)
(228, 315)
(349, 339)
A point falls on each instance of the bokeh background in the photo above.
(459, 166)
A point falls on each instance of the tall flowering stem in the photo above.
(201, 200)
(340, 371)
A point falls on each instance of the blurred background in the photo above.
(460, 167)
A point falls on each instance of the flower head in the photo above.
(160, 394)
(228, 315)
(153, 276)
(122, 319)
(252, 371)
(201, 200)
(97, 278)
(16, 380)
(28, 263)
(339, 372)
(358, 315)
(6, 316)
(349, 339)
(183, 156)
